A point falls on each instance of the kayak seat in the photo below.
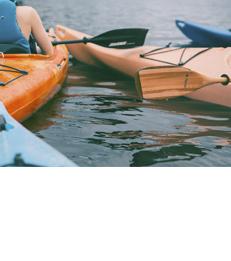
(12, 49)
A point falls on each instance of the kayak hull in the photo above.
(205, 35)
(19, 147)
(31, 80)
(213, 62)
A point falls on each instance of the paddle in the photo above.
(168, 82)
(119, 38)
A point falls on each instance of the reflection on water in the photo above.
(97, 120)
(167, 154)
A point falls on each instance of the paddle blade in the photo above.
(121, 38)
(169, 82)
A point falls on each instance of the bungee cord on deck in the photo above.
(180, 63)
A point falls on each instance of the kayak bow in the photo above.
(204, 34)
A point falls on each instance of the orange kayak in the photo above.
(212, 62)
(28, 81)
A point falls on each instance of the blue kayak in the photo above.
(20, 148)
(205, 35)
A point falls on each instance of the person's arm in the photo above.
(39, 33)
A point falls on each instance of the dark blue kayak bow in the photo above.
(205, 35)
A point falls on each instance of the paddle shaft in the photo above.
(223, 79)
(92, 40)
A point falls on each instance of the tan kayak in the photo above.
(212, 62)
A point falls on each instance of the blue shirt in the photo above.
(10, 32)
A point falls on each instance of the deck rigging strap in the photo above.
(2, 123)
(163, 50)
(14, 70)
(18, 161)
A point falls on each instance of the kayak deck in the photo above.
(28, 81)
(211, 62)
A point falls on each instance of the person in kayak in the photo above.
(17, 23)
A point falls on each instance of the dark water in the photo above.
(96, 119)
